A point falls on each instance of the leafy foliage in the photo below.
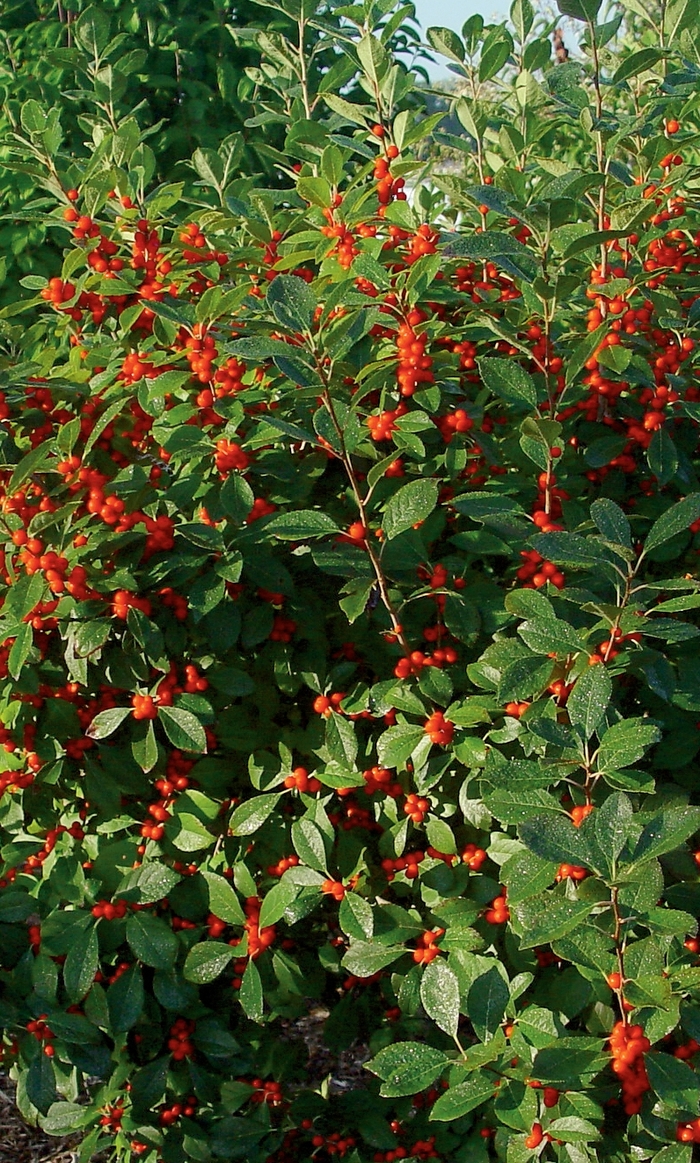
(350, 595)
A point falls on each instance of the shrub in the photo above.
(349, 616)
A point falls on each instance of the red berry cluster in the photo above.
(180, 1042)
(439, 729)
(427, 949)
(628, 1046)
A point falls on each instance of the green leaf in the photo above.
(571, 1063)
(571, 549)
(32, 119)
(673, 1081)
(125, 1000)
(483, 506)
(21, 649)
(439, 994)
(495, 51)
(183, 729)
(92, 30)
(464, 1097)
(64, 1117)
(365, 958)
(526, 874)
(293, 303)
(250, 994)
(341, 740)
(251, 815)
(81, 964)
(572, 1129)
(357, 596)
(356, 917)
(589, 700)
(206, 961)
(307, 840)
(276, 902)
(626, 742)
(665, 832)
(357, 114)
(153, 880)
(373, 58)
(440, 836)
(445, 41)
(187, 832)
(662, 457)
(545, 637)
(556, 839)
(223, 901)
(300, 524)
(674, 1153)
(103, 423)
(612, 522)
(486, 1003)
(509, 380)
(236, 497)
(637, 62)
(522, 17)
(512, 807)
(315, 191)
(396, 744)
(144, 747)
(673, 521)
(407, 1067)
(410, 505)
(41, 1083)
(523, 678)
(107, 722)
(611, 824)
(579, 9)
(587, 948)
(151, 940)
(542, 919)
(209, 167)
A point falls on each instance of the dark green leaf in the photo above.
(251, 815)
(206, 961)
(464, 1097)
(542, 919)
(293, 303)
(125, 999)
(81, 964)
(151, 940)
(183, 729)
(250, 993)
(409, 506)
(407, 1067)
(675, 520)
(626, 742)
(486, 1003)
(300, 524)
(41, 1083)
(589, 700)
(673, 1082)
(509, 380)
(439, 993)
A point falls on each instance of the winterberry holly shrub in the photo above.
(349, 616)
(168, 67)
